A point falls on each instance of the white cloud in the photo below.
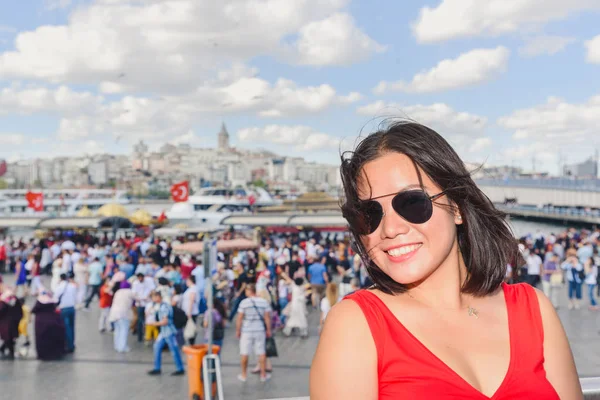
(480, 144)
(593, 50)
(128, 44)
(62, 100)
(464, 131)
(438, 116)
(545, 44)
(557, 123)
(12, 139)
(468, 69)
(453, 19)
(334, 40)
(302, 137)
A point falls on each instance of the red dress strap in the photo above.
(377, 322)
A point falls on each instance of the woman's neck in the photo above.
(442, 289)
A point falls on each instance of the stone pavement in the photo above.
(96, 372)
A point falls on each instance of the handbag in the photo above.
(270, 346)
(189, 332)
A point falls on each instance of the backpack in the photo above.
(179, 318)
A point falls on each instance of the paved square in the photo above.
(97, 372)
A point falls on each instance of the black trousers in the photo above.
(94, 291)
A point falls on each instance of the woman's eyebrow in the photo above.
(404, 189)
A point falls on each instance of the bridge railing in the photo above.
(590, 386)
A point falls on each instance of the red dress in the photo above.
(408, 370)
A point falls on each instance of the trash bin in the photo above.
(194, 355)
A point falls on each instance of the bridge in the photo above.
(558, 192)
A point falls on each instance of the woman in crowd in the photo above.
(81, 277)
(297, 308)
(11, 313)
(106, 297)
(190, 302)
(218, 324)
(440, 322)
(330, 299)
(591, 277)
(121, 314)
(49, 329)
(575, 276)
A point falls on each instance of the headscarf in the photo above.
(124, 285)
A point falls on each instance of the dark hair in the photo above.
(298, 281)
(484, 238)
(192, 278)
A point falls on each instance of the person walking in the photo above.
(66, 297)
(190, 303)
(142, 287)
(252, 329)
(167, 335)
(95, 271)
(591, 276)
(121, 314)
(575, 276)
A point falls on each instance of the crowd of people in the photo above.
(147, 292)
(552, 261)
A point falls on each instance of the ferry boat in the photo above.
(64, 202)
(212, 204)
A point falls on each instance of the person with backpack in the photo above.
(218, 324)
(167, 335)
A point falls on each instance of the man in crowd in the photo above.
(167, 335)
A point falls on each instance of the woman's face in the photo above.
(408, 253)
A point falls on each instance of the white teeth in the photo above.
(400, 251)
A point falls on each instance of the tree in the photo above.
(3, 184)
(259, 183)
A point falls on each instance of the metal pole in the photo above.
(206, 259)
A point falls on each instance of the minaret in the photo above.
(223, 138)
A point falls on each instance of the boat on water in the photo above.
(59, 202)
(209, 206)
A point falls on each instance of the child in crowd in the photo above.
(151, 331)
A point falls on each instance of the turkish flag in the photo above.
(35, 201)
(180, 192)
(251, 200)
(162, 217)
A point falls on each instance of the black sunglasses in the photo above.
(415, 206)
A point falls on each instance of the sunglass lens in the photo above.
(414, 206)
(366, 218)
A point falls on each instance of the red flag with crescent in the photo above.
(35, 201)
(180, 192)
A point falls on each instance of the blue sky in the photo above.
(503, 82)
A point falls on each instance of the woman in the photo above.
(297, 307)
(121, 314)
(552, 279)
(218, 324)
(190, 302)
(11, 312)
(56, 272)
(575, 276)
(331, 297)
(49, 329)
(591, 276)
(106, 296)
(81, 278)
(436, 324)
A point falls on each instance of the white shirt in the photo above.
(55, 249)
(67, 293)
(66, 264)
(141, 290)
(46, 258)
(121, 305)
(534, 264)
(186, 301)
